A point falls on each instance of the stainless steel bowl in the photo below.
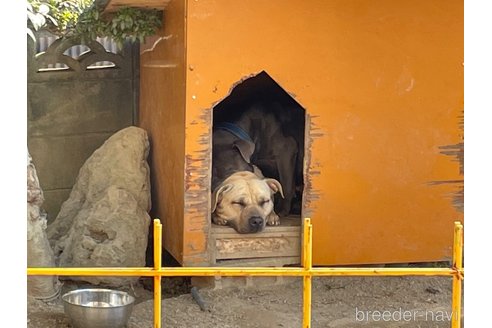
(98, 308)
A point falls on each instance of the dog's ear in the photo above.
(275, 186)
(246, 149)
(217, 195)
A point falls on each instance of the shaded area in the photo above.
(262, 89)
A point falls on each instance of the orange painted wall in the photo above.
(382, 82)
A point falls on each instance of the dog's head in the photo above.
(243, 201)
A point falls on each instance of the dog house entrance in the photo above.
(259, 111)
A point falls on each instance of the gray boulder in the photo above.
(105, 221)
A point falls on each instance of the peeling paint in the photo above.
(457, 196)
(310, 195)
(197, 193)
(457, 151)
(156, 42)
(410, 87)
(405, 82)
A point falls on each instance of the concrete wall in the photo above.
(70, 113)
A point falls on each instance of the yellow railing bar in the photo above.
(306, 271)
(242, 271)
(157, 267)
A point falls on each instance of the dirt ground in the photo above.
(341, 302)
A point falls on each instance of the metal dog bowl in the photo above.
(98, 308)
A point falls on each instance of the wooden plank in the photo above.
(273, 242)
(248, 247)
(114, 5)
(161, 114)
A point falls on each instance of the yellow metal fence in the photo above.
(306, 271)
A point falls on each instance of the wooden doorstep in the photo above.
(273, 242)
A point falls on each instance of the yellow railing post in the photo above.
(457, 278)
(307, 263)
(157, 276)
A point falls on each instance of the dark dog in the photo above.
(258, 138)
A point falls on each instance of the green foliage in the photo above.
(57, 16)
(126, 23)
(85, 19)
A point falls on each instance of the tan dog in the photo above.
(244, 201)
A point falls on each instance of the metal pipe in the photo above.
(457, 278)
(242, 271)
(307, 263)
(157, 267)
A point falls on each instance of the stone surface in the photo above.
(39, 252)
(105, 221)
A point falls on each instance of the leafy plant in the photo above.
(85, 19)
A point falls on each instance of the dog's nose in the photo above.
(255, 221)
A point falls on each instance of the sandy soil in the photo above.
(337, 302)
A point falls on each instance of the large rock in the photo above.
(39, 252)
(105, 221)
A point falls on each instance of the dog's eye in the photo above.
(239, 203)
(262, 203)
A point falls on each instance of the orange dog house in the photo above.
(381, 83)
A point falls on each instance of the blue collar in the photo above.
(234, 129)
